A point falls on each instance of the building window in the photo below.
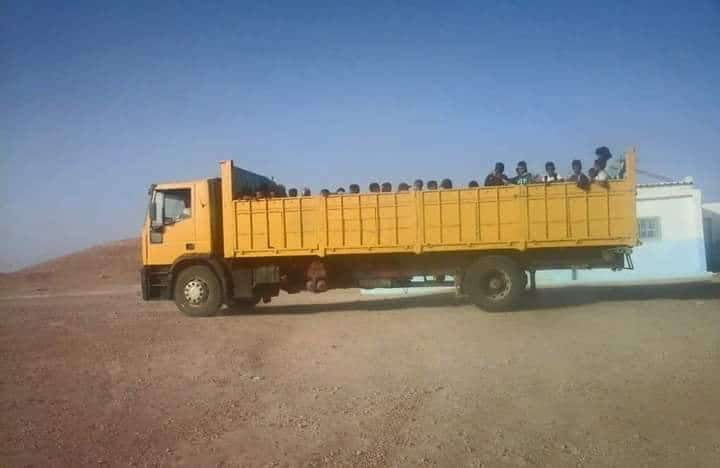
(649, 228)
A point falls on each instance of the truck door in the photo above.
(172, 230)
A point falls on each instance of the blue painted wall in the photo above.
(654, 260)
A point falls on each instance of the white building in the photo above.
(670, 222)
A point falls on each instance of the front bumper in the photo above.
(155, 282)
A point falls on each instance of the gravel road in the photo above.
(584, 376)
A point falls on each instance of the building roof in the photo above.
(685, 181)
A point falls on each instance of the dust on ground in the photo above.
(585, 376)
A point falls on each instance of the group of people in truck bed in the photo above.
(603, 169)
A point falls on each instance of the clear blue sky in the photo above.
(99, 100)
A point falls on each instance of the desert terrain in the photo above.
(91, 375)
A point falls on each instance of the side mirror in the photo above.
(154, 218)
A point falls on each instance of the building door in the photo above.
(712, 246)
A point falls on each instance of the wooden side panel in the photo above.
(450, 215)
(432, 215)
(622, 214)
(538, 212)
(406, 214)
(578, 213)
(490, 214)
(243, 224)
(557, 212)
(310, 217)
(506, 217)
(388, 214)
(370, 219)
(353, 225)
(510, 214)
(335, 221)
(548, 212)
(598, 214)
(469, 215)
(293, 223)
(276, 223)
(517, 217)
(260, 224)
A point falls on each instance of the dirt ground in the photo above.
(584, 376)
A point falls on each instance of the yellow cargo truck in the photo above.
(211, 242)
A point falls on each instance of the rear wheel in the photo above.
(198, 292)
(494, 283)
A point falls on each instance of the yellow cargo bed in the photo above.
(471, 219)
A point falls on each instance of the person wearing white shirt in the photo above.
(551, 174)
(598, 173)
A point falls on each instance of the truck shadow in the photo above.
(573, 296)
(544, 298)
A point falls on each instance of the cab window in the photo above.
(176, 205)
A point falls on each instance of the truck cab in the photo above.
(182, 225)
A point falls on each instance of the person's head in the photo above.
(324, 192)
(386, 187)
(446, 184)
(550, 168)
(418, 184)
(403, 187)
(306, 192)
(603, 153)
(354, 188)
(432, 185)
(374, 187)
(576, 166)
(499, 168)
(340, 190)
(521, 167)
(281, 190)
(473, 184)
(293, 192)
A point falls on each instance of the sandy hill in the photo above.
(112, 264)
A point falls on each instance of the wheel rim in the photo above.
(196, 292)
(497, 285)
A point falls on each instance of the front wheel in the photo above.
(494, 283)
(198, 292)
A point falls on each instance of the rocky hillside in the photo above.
(112, 264)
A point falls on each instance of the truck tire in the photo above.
(198, 292)
(494, 283)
